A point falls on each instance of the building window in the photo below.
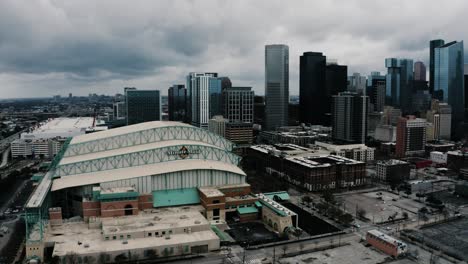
(163, 233)
(156, 234)
(107, 238)
(129, 236)
(215, 212)
(114, 237)
(149, 234)
(216, 201)
(121, 236)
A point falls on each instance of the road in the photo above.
(5, 155)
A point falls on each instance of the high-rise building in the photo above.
(217, 125)
(357, 83)
(312, 74)
(198, 89)
(238, 104)
(433, 44)
(449, 79)
(276, 85)
(335, 83)
(399, 82)
(142, 106)
(177, 100)
(411, 136)
(376, 93)
(119, 110)
(239, 111)
(391, 115)
(419, 71)
(439, 118)
(350, 117)
(466, 88)
(216, 100)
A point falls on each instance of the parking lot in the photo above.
(379, 206)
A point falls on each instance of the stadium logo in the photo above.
(184, 152)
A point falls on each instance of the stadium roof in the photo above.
(139, 171)
(126, 130)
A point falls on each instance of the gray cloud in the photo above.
(55, 47)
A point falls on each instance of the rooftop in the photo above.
(211, 191)
(125, 130)
(61, 127)
(391, 162)
(386, 238)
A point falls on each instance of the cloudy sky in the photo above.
(52, 47)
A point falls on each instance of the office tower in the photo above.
(225, 82)
(421, 97)
(312, 74)
(377, 92)
(216, 100)
(440, 119)
(448, 78)
(239, 111)
(411, 136)
(433, 44)
(238, 104)
(335, 82)
(399, 82)
(350, 117)
(357, 83)
(142, 105)
(259, 110)
(198, 90)
(217, 125)
(419, 71)
(177, 100)
(276, 85)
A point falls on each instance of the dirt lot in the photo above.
(379, 207)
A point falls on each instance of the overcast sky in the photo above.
(52, 47)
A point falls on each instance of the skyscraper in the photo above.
(336, 79)
(312, 74)
(419, 71)
(440, 118)
(177, 101)
(466, 88)
(357, 83)
(350, 117)
(449, 79)
(399, 82)
(377, 92)
(239, 111)
(432, 45)
(276, 85)
(198, 89)
(142, 106)
(411, 136)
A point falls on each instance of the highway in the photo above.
(5, 155)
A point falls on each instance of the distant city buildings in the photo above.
(378, 84)
(393, 171)
(276, 85)
(411, 136)
(142, 106)
(239, 111)
(217, 125)
(419, 71)
(448, 78)
(357, 83)
(350, 117)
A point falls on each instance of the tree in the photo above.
(405, 215)
(329, 197)
(122, 257)
(306, 199)
(301, 247)
(346, 219)
(361, 213)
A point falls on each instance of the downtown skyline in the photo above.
(51, 48)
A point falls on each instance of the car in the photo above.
(388, 228)
(356, 225)
(15, 211)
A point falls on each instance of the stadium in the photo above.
(141, 173)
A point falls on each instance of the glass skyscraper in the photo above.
(199, 86)
(399, 82)
(276, 85)
(312, 74)
(448, 77)
(177, 102)
(142, 106)
(433, 44)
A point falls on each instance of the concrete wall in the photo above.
(276, 222)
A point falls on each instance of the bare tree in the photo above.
(284, 248)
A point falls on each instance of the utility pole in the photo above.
(274, 255)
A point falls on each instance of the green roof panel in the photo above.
(283, 195)
(175, 197)
(247, 210)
